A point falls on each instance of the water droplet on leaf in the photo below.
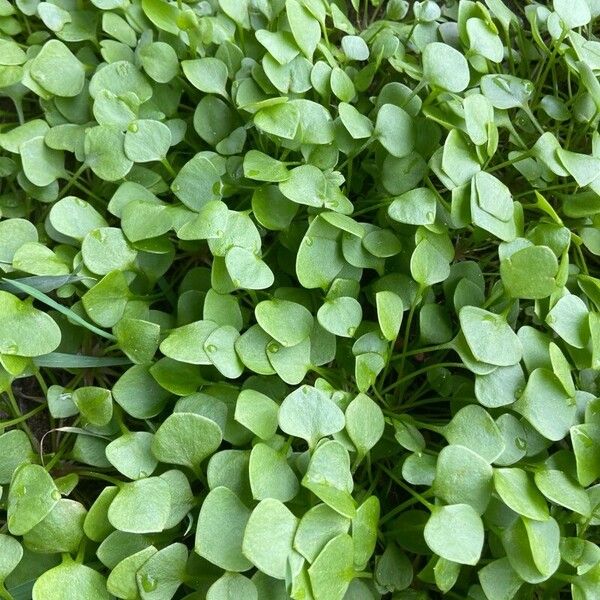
(148, 583)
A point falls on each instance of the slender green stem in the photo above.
(411, 313)
(17, 413)
(423, 350)
(408, 489)
(418, 372)
(28, 415)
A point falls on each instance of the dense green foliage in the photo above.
(299, 299)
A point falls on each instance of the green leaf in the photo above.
(340, 316)
(69, 580)
(41, 164)
(586, 445)
(416, 207)
(358, 125)
(305, 185)
(305, 28)
(546, 405)
(186, 439)
(94, 404)
(11, 552)
(364, 423)
(569, 319)
(474, 428)
(15, 449)
(232, 585)
(209, 75)
(25, 330)
(518, 492)
(185, 343)
(355, 48)
(559, 488)
(57, 70)
(257, 412)
(530, 272)
(121, 581)
(395, 131)
(163, 572)
(138, 339)
(489, 337)
(574, 14)
(60, 531)
(219, 347)
(499, 580)
(75, 217)
(463, 477)
(270, 474)
(147, 140)
(317, 527)
(269, 536)
(389, 313)
(364, 531)
(247, 270)
(329, 478)
(281, 120)
(506, 91)
(331, 573)
(393, 570)
(141, 506)
(501, 387)
(31, 497)
(309, 414)
(131, 454)
(220, 531)
(287, 322)
(197, 183)
(105, 153)
(262, 167)
(445, 68)
(159, 60)
(455, 532)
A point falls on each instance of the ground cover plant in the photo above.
(299, 299)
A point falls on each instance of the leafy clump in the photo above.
(299, 299)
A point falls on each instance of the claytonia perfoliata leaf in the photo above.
(276, 274)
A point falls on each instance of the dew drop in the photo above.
(55, 495)
(308, 241)
(175, 187)
(143, 474)
(430, 216)
(520, 443)
(351, 331)
(211, 348)
(273, 347)
(148, 583)
(81, 203)
(133, 127)
(219, 232)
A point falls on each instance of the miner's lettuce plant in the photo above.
(299, 299)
